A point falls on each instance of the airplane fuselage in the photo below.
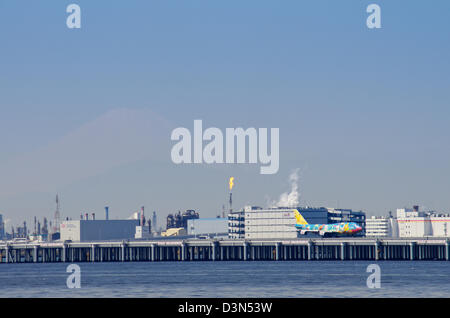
(339, 228)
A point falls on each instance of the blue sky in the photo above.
(87, 113)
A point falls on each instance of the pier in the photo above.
(345, 249)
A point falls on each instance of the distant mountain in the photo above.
(118, 137)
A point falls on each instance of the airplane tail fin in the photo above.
(300, 219)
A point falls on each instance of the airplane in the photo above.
(323, 229)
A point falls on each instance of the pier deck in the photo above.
(227, 250)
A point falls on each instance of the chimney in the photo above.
(93, 216)
(107, 213)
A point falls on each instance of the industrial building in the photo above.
(98, 230)
(174, 231)
(276, 223)
(143, 232)
(180, 220)
(208, 226)
(2, 228)
(415, 223)
(38, 238)
(144, 228)
(20, 232)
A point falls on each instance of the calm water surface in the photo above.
(227, 279)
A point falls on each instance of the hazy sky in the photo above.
(364, 114)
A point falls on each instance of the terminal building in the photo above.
(279, 223)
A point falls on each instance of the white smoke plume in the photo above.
(291, 199)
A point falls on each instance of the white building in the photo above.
(415, 223)
(440, 225)
(379, 226)
(275, 223)
(142, 232)
(269, 223)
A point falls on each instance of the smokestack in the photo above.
(230, 185)
(93, 216)
(142, 216)
(86, 216)
(107, 213)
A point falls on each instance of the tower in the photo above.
(142, 218)
(45, 226)
(57, 217)
(154, 221)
